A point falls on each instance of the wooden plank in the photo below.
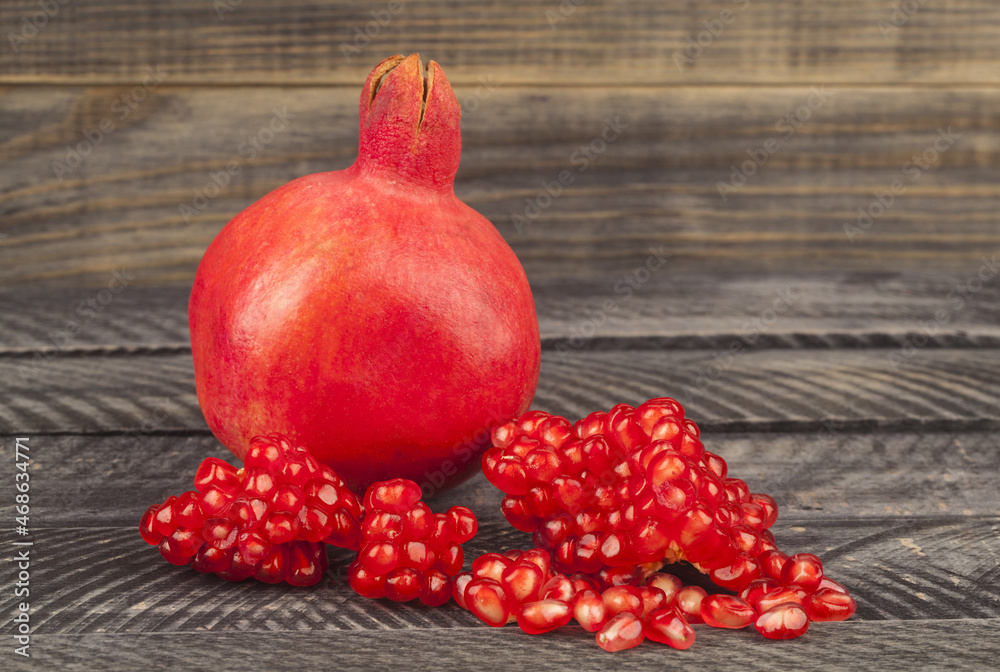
(656, 185)
(100, 579)
(600, 41)
(668, 311)
(897, 646)
(785, 390)
(100, 481)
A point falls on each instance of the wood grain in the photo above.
(655, 186)
(605, 42)
(669, 311)
(897, 646)
(787, 390)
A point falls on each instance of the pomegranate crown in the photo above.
(410, 124)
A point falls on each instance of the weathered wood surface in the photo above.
(668, 310)
(899, 646)
(935, 389)
(655, 186)
(571, 43)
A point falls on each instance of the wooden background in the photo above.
(868, 406)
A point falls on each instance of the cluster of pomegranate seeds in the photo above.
(608, 501)
(617, 495)
(408, 552)
(267, 520)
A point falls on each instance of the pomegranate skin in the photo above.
(367, 313)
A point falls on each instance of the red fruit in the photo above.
(668, 626)
(407, 551)
(624, 631)
(804, 570)
(828, 604)
(784, 621)
(543, 616)
(265, 521)
(368, 313)
(726, 611)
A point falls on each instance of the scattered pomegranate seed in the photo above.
(828, 604)
(543, 616)
(792, 594)
(487, 600)
(688, 602)
(757, 588)
(668, 626)
(727, 611)
(624, 631)
(589, 610)
(618, 599)
(668, 583)
(804, 570)
(784, 621)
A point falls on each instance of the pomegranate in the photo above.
(368, 314)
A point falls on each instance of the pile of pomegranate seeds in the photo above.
(268, 520)
(608, 501)
(408, 552)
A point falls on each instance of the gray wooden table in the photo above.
(864, 396)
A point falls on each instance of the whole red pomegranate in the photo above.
(368, 313)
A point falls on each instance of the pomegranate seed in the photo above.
(486, 599)
(784, 621)
(542, 616)
(828, 604)
(668, 583)
(827, 582)
(772, 563)
(652, 599)
(589, 610)
(395, 496)
(688, 602)
(365, 583)
(804, 570)
(738, 575)
(618, 599)
(438, 590)
(726, 611)
(768, 506)
(490, 566)
(781, 595)
(624, 631)
(522, 582)
(757, 588)
(668, 626)
(404, 584)
(559, 587)
(458, 589)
